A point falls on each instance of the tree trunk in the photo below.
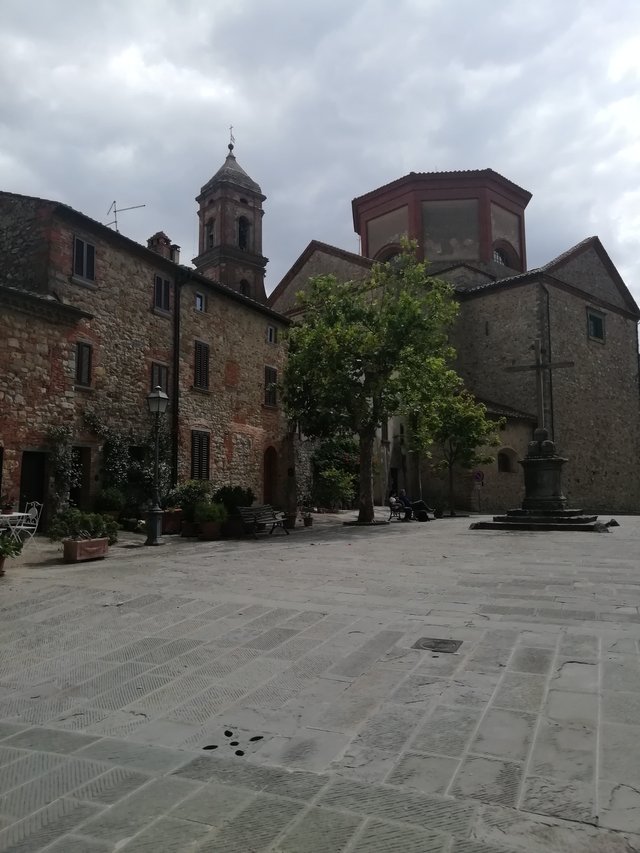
(365, 505)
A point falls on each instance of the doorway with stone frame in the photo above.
(270, 476)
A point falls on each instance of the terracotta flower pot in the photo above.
(210, 529)
(190, 528)
(81, 550)
(171, 522)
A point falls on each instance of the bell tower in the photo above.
(230, 230)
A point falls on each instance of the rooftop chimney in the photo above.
(160, 244)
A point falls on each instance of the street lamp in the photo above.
(157, 401)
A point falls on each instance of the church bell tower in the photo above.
(230, 230)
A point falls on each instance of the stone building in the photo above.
(91, 321)
(557, 344)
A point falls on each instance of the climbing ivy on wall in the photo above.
(64, 465)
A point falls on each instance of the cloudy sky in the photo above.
(132, 100)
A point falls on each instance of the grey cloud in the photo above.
(133, 101)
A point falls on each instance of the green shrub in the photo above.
(334, 488)
(189, 494)
(110, 500)
(232, 497)
(208, 511)
(9, 547)
(74, 524)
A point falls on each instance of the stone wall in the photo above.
(320, 263)
(587, 271)
(233, 410)
(24, 224)
(591, 409)
(127, 334)
(35, 392)
(596, 412)
(493, 332)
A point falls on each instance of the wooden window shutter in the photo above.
(201, 365)
(199, 455)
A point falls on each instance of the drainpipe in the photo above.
(549, 361)
(175, 395)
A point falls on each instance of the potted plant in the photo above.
(210, 516)
(6, 503)
(84, 535)
(9, 547)
(232, 497)
(307, 518)
(186, 497)
(110, 501)
(172, 515)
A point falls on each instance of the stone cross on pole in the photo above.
(539, 367)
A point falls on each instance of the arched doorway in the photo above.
(270, 476)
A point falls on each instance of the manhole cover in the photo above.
(433, 645)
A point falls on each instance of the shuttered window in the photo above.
(199, 455)
(160, 376)
(83, 363)
(162, 293)
(201, 365)
(270, 386)
(84, 259)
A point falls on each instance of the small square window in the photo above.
(270, 386)
(595, 325)
(272, 334)
(162, 293)
(84, 259)
(199, 301)
(83, 364)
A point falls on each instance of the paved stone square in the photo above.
(265, 696)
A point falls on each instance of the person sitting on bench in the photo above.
(419, 509)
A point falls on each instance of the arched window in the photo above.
(387, 253)
(209, 234)
(245, 287)
(507, 461)
(505, 255)
(244, 227)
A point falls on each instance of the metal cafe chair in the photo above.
(27, 528)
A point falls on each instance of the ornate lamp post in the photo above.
(157, 401)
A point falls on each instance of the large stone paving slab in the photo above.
(265, 695)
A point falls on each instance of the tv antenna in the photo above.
(116, 210)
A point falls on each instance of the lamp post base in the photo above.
(154, 526)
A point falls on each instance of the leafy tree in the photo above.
(367, 350)
(462, 431)
(337, 462)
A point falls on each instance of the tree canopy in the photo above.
(462, 432)
(368, 350)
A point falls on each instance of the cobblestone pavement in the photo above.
(265, 696)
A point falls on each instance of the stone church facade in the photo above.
(91, 321)
(575, 311)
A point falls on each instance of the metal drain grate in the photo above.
(431, 644)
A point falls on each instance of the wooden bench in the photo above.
(256, 517)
